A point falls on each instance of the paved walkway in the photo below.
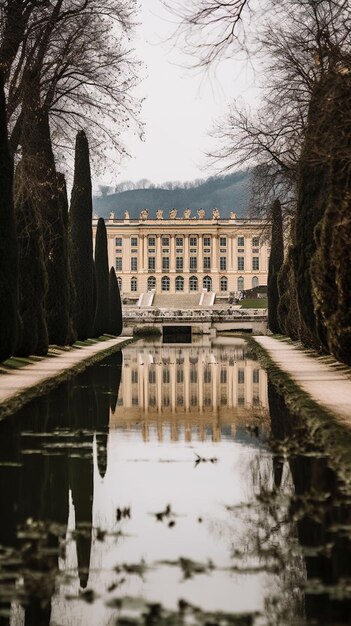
(327, 385)
(21, 385)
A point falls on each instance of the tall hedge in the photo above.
(276, 260)
(101, 320)
(311, 204)
(81, 239)
(115, 306)
(8, 242)
(330, 266)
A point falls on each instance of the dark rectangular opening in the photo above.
(176, 334)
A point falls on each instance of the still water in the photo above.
(170, 485)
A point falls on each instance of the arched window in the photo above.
(119, 280)
(255, 281)
(165, 283)
(193, 283)
(151, 283)
(133, 284)
(207, 283)
(224, 283)
(240, 283)
(179, 283)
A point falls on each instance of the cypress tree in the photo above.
(63, 207)
(101, 321)
(81, 239)
(115, 306)
(32, 281)
(276, 260)
(8, 243)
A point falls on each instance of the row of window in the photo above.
(207, 375)
(193, 266)
(193, 241)
(193, 283)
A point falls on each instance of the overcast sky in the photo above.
(180, 105)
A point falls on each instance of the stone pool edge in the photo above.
(328, 428)
(35, 379)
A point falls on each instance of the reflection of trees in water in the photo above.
(322, 515)
(45, 450)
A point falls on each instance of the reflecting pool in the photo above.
(170, 485)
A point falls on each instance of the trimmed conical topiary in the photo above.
(81, 239)
(276, 260)
(8, 242)
(101, 321)
(115, 306)
(70, 293)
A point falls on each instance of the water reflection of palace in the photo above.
(190, 387)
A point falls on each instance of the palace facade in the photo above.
(187, 254)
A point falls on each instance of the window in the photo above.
(180, 375)
(223, 376)
(241, 242)
(255, 242)
(207, 242)
(255, 263)
(179, 283)
(241, 263)
(207, 262)
(152, 376)
(134, 242)
(193, 263)
(165, 242)
(166, 375)
(119, 263)
(165, 263)
(193, 242)
(151, 263)
(119, 280)
(255, 281)
(133, 284)
(152, 242)
(179, 263)
(165, 283)
(222, 242)
(179, 242)
(240, 283)
(118, 242)
(207, 374)
(193, 283)
(256, 376)
(241, 376)
(151, 283)
(134, 376)
(134, 264)
(223, 263)
(224, 283)
(193, 374)
(207, 283)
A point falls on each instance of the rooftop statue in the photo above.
(187, 214)
(173, 214)
(232, 215)
(144, 214)
(111, 216)
(159, 214)
(126, 215)
(216, 214)
(201, 214)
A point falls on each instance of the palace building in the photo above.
(186, 254)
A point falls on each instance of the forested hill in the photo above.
(226, 193)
